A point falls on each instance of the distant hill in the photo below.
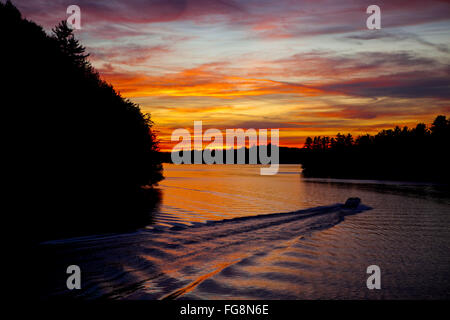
(287, 155)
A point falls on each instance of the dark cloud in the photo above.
(331, 66)
(315, 17)
(396, 37)
(406, 85)
(131, 11)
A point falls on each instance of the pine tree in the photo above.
(69, 45)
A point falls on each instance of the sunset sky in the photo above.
(305, 67)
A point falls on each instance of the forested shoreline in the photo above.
(410, 154)
(85, 151)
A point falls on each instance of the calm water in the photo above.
(197, 249)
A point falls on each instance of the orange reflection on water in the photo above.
(198, 193)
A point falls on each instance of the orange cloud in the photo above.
(202, 81)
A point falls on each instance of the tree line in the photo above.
(419, 153)
(84, 151)
(402, 153)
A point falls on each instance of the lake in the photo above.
(217, 234)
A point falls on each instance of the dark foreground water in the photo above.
(215, 236)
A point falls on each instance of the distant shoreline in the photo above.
(337, 177)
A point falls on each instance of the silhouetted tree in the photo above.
(70, 46)
(86, 151)
(308, 143)
(440, 126)
(400, 153)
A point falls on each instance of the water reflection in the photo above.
(213, 238)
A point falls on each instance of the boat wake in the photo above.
(182, 261)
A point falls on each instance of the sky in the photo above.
(307, 68)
